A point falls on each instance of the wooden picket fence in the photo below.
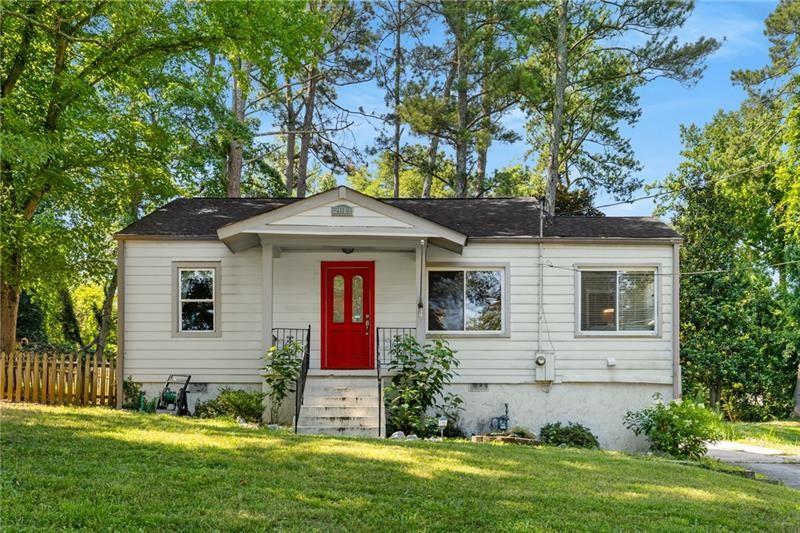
(57, 379)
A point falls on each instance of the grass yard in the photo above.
(100, 469)
(781, 435)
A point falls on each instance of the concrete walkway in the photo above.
(772, 463)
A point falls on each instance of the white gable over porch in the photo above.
(341, 212)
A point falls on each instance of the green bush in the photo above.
(281, 370)
(233, 403)
(522, 432)
(680, 429)
(573, 434)
(422, 373)
(131, 394)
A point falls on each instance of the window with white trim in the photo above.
(466, 299)
(617, 300)
(197, 299)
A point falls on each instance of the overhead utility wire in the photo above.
(664, 193)
(720, 271)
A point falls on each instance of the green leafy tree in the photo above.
(84, 146)
(462, 88)
(592, 57)
(734, 199)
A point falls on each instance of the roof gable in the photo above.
(342, 211)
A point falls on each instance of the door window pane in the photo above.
(338, 299)
(358, 299)
(637, 301)
(484, 305)
(445, 300)
(598, 301)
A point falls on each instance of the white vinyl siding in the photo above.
(236, 356)
(151, 352)
(577, 359)
(321, 216)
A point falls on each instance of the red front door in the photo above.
(347, 314)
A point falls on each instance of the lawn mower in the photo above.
(174, 402)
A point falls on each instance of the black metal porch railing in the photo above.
(282, 336)
(385, 339)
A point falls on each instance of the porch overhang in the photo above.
(313, 222)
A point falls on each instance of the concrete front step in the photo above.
(339, 381)
(346, 393)
(338, 421)
(339, 411)
(339, 401)
(339, 432)
(340, 405)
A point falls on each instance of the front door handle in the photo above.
(366, 330)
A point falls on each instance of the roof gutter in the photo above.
(578, 240)
(133, 237)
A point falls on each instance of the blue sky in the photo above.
(665, 104)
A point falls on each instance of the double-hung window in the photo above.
(467, 300)
(617, 300)
(196, 299)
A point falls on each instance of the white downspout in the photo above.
(540, 270)
(421, 259)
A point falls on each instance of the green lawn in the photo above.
(781, 435)
(100, 469)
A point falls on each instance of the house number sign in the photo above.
(341, 210)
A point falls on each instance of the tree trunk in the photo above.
(796, 410)
(715, 394)
(235, 156)
(483, 149)
(105, 318)
(462, 135)
(398, 65)
(485, 139)
(9, 304)
(556, 125)
(69, 321)
(291, 124)
(433, 150)
(305, 136)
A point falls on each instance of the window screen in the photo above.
(617, 300)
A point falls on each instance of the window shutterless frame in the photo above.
(618, 268)
(183, 266)
(465, 267)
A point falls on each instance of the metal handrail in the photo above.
(300, 387)
(385, 339)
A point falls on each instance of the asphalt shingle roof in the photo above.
(474, 217)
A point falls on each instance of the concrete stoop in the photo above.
(340, 405)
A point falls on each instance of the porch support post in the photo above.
(267, 254)
(421, 260)
(677, 391)
(120, 377)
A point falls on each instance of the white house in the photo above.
(563, 319)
